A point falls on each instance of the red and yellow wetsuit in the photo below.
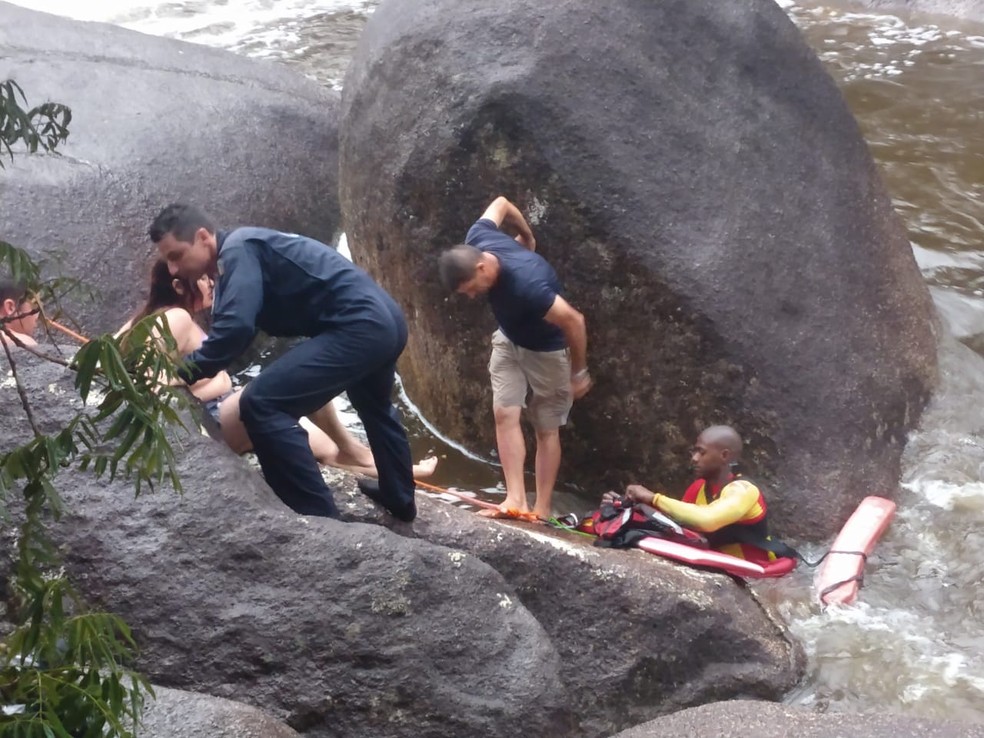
(718, 511)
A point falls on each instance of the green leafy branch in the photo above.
(42, 127)
(63, 670)
(75, 686)
(47, 294)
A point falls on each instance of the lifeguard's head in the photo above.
(716, 450)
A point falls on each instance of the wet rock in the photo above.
(333, 628)
(768, 720)
(702, 189)
(637, 635)
(154, 121)
(177, 714)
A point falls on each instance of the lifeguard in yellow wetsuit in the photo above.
(729, 510)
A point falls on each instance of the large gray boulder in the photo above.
(173, 713)
(154, 121)
(320, 623)
(768, 720)
(706, 196)
(638, 636)
(333, 628)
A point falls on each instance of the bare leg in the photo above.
(328, 454)
(350, 451)
(547, 465)
(512, 454)
(233, 431)
(325, 449)
(351, 454)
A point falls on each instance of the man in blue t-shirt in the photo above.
(540, 349)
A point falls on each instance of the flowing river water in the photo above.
(915, 643)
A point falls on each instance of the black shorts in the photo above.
(212, 407)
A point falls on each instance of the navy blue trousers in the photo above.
(358, 358)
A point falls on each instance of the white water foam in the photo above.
(896, 656)
(899, 42)
(266, 29)
(948, 496)
(224, 23)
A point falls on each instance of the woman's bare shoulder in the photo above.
(177, 315)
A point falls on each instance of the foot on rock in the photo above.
(401, 510)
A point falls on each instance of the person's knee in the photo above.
(506, 415)
(547, 434)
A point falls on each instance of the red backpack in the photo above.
(620, 524)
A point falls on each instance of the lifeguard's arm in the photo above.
(735, 501)
(239, 297)
(571, 322)
(502, 212)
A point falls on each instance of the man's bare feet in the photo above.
(510, 514)
(520, 505)
(425, 467)
(506, 507)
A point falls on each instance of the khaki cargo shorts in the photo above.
(543, 375)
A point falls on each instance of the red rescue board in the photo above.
(840, 577)
(716, 559)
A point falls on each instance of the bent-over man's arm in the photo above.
(502, 212)
(571, 322)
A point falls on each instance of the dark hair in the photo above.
(457, 266)
(162, 294)
(11, 290)
(181, 221)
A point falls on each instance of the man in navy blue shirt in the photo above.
(539, 351)
(289, 285)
